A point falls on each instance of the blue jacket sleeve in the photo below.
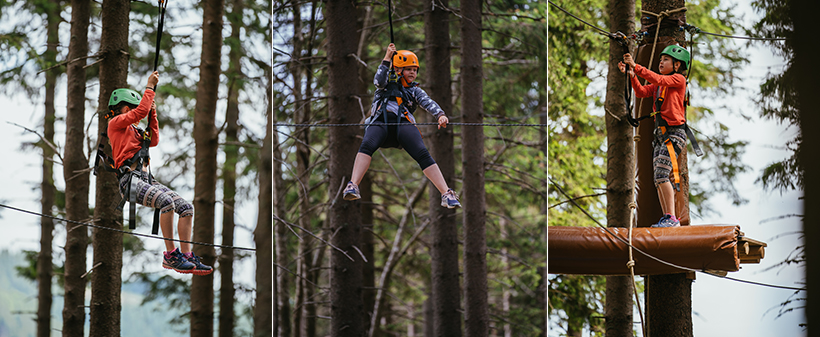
(424, 100)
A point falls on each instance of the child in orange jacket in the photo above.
(668, 89)
(127, 108)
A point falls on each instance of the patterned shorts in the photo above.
(661, 161)
(157, 195)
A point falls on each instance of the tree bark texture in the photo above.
(446, 300)
(235, 80)
(106, 279)
(283, 309)
(76, 181)
(347, 311)
(205, 138)
(366, 187)
(542, 132)
(368, 249)
(668, 297)
(47, 189)
(804, 47)
(265, 272)
(476, 317)
(620, 169)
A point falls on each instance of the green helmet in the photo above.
(124, 95)
(679, 53)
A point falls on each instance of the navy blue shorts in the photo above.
(405, 136)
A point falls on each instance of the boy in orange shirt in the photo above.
(668, 89)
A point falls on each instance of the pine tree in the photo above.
(76, 179)
(206, 140)
(106, 280)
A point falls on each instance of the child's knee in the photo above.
(183, 208)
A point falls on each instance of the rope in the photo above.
(362, 125)
(87, 224)
(657, 259)
(390, 18)
(162, 5)
(631, 265)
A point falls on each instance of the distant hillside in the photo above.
(18, 305)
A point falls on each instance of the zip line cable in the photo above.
(579, 19)
(87, 224)
(657, 259)
(687, 26)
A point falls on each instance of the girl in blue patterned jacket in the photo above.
(395, 101)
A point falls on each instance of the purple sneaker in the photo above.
(199, 267)
(176, 261)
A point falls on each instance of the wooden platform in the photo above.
(593, 251)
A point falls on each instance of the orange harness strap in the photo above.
(674, 158)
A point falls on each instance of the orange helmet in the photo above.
(405, 58)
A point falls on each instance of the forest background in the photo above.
(730, 87)
(152, 296)
(398, 207)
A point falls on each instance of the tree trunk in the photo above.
(282, 319)
(302, 162)
(366, 187)
(44, 265)
(235, 80)
(264, 228)
(368, 249)
(313, 271)
(106, 280)
(476, 315)
(344, 217)
(506, 328)
(804, 44)
(620, 170)
(205, 138)
(446, 300)
(76, 182)
(668, 297)
(542, 102)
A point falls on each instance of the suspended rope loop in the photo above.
(162, 5)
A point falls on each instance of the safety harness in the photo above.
(141, 158)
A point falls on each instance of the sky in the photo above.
(721, 307)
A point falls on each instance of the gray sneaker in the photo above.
(450, 200)
(667, 221)
(351, 192)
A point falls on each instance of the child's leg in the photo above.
(433, 173)
(666, 195)
(184, 226)
(360, 167)
(410, 140)
(166, 224)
